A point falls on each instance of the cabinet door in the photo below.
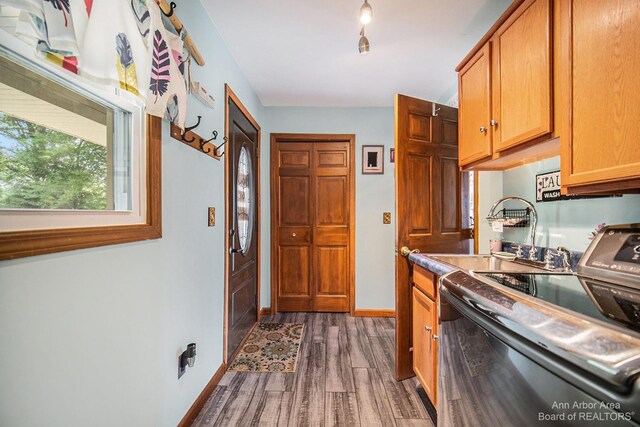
(600, 143)
(474, 109)
(522, 76)
(424, 346)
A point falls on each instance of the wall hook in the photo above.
(215, 135)
(217, 150)
(173, 5)
(203, 143)
(190, 128)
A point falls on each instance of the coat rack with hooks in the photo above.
(193, 140)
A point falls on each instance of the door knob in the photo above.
(405, 251)
(483, 129)
(293, 234)
(493, 123)
(427, 328)
(435, 337)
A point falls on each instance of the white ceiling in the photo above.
(305, 53)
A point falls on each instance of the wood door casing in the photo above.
(522, 67)
(474, 98)
(242, 287)
(431, 197)
(312, 223)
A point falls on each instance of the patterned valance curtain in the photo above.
(120, 43)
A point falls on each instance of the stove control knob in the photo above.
(637, 249)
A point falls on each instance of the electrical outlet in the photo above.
(386, 217)
(212, 217)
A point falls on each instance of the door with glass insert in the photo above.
(242, 217)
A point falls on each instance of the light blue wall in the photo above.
(566, 222)
(375, 194)
(91, 337)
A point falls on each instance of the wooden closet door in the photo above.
(312, 225)
(331, 226)
(294, 222)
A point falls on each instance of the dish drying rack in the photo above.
(511, 217)
(527, 217)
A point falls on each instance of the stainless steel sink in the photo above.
(485, 263)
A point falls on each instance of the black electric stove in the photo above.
(606, 286)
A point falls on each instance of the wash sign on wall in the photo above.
(548, 189)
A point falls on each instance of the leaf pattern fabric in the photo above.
(126, 66)
(143, 19)
(158, 103)
(160, 64)
(122, 43)
(173, 109)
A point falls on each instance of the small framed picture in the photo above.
(373, 159)
(392, 155)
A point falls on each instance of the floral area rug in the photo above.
(271, 347)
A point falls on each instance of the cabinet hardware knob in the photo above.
(435, 337)
(483, 129)
(293, 234)
(494, 123)
(427, 328)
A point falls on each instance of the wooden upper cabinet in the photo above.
(522, 76)
(505, 88)
(474, 108)
(597, 74)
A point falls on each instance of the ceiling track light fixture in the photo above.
(366, 13)
(363, 44)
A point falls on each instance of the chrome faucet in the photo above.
(518, 248)
(548, 260)
(566, 257)
(534, 223)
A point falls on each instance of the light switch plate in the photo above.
(386, 217)
(212, 217)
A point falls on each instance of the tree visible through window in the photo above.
(42, 168)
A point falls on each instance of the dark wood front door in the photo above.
(242, 221)
(312, 186)
(431, 201)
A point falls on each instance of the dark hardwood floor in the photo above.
(344, 377)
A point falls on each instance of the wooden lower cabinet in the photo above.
(425, 342)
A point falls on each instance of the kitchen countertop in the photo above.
(438, 267)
